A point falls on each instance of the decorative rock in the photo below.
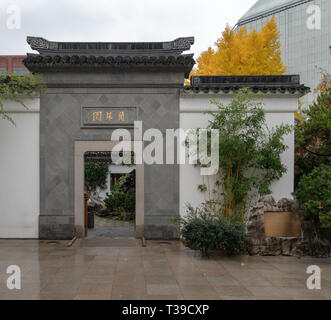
(115, 214)
(287, 205)
(127, 216)
(276, 246)
(103, 213)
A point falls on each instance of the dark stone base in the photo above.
(161, 232)
(277, 246)
(56, 227)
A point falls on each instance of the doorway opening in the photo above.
(109, 195)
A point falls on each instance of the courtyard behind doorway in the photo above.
(110, 195)
(114, 207)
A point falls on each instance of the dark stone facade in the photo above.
(103, 79)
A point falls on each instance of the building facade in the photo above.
(305, 35)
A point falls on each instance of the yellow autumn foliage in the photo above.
(243, 53)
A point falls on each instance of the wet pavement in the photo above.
(123, 269)
(108, 228)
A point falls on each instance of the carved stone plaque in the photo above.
(104, 117)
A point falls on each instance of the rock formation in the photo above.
(260, 245)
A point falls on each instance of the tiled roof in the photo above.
(37, 62)
(266, 84)
(111, 55)
(174, 48)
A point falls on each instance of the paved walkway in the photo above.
(154, 272)
(108, 228)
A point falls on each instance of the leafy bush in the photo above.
(314, 196)
(114, 200)
(15, 87)
(121, 201)
(95, 174)
(203, 231)
(313, 137)
(249, 154)
(129, 204)
(128, 182)
(123, 196)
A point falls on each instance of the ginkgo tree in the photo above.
(244, 53)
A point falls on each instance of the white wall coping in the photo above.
(32, 103)
(200, 103)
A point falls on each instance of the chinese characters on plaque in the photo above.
(99, 116)
(109, 116)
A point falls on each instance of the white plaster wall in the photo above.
(19, 159)
(19, 171)
(279, 109)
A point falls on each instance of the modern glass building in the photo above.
(305, 39)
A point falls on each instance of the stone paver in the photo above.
(107, 228)
(154, 272)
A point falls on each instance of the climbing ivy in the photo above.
(16, 88)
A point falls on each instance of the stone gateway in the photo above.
(93, 88)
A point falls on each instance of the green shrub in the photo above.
(203, 231)
(121, 201)
(249, 153)
(314, 196)
(96, 174)
(114, 200)
(313, 137)
(129, 204)
(123, 195)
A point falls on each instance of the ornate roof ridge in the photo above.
(262, 83)
(245, 79)
(39, 62)
(175, 47)
(302, 90)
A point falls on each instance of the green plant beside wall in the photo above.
(313, 137)
(122, 198)
(95, 175)
(314, 196)
(249, 154)
(120, 201)
(16, 88)
(203, 231)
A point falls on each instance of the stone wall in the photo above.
(156, 97)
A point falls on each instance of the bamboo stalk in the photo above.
(230, 195)
(218, 190)
(204, 191)
(242, 211)
(227, 193)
